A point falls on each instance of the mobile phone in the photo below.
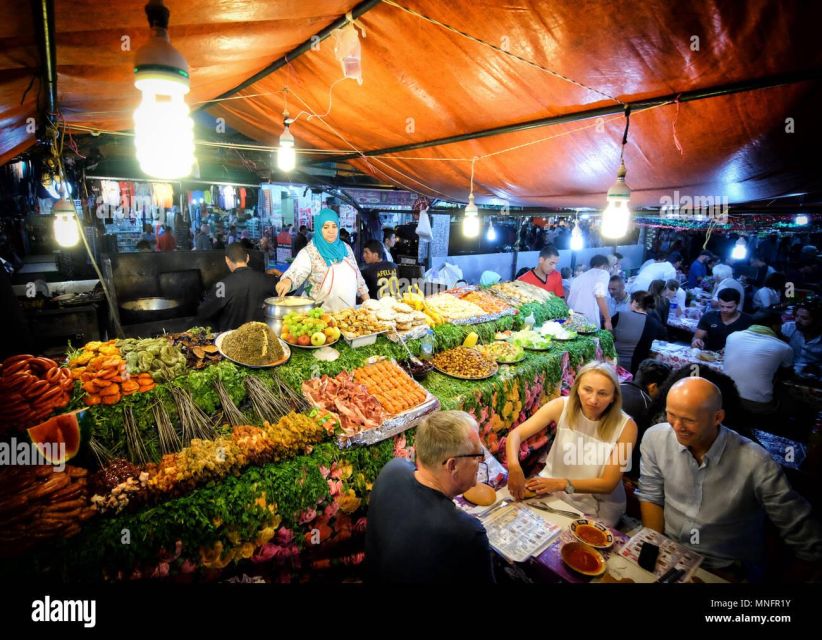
(647, 556)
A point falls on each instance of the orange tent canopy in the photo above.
(493, 65)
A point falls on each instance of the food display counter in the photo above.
(182, 464)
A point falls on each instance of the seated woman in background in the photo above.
(662, 307)
(635, 330)
(675, 293)
(593, 446)
(771, 293)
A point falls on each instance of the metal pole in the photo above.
(48, 53)
(686, 96)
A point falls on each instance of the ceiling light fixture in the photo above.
(66, 231)
(740, 250)
(617, 216)
(286, 154)
(491, 235)
(471, 222)
(163, 129)
(577, 241)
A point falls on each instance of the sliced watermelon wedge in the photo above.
(49, 435)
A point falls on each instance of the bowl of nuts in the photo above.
(465, 363)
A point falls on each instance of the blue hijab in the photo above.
(332, 252)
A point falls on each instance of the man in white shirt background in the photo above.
(663, 268)
(753, 357)
(724, 276)
(589, 292)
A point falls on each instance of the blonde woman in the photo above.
(592, 448)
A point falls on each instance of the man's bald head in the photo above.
(694, 411)
(699, 392)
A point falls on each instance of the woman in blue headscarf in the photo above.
(328, 265)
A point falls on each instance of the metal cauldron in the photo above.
(150, 309)
(277, 308)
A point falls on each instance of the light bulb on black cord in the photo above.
(163, 128)
(286, 154)
(471, 222)
(66, 232)
(491, 235)
(617, 216)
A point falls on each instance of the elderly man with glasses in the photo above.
(415, 534)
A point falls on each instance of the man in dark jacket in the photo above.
(300, 240)
(237, 298)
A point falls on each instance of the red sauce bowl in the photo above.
(583, 559)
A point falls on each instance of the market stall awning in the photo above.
(445, 69)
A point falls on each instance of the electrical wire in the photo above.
(114, 315)
(531, 63)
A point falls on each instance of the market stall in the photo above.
(186, 463)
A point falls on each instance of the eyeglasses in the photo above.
(466, 455)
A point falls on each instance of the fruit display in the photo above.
(466, 363)
(30, 390)
(414, 299)
(197, 345)
(556, 331)
(354, 323)
(393, 387)
(357, 409)
(453, 308)
(156, 356)
(503, 352)
(58, 438)
(530, 339)
(313, 329)
(38, 503)
(489, 303)
(580, 324)
(105, 381)
(253, 344)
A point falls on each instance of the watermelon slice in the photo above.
(62, 429)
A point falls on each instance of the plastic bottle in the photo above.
(674, 309)
(427, 346)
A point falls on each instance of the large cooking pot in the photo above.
(277, 308)
(150, 309)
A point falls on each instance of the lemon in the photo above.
(471, 340)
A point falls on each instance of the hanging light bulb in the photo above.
(65, 224)
(801, 219)
(577, 241)
(163, 129)
(491, 235)
(471, 221)
(617, 215)
(740, 250)
(286, 154)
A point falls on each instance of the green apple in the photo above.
(318, 339)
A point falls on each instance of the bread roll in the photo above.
(481, 495)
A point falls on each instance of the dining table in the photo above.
(680, 355)
(547, 566)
